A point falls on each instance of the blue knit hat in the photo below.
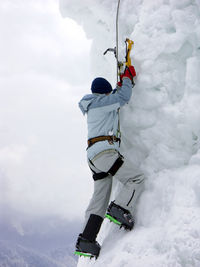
(101, 86)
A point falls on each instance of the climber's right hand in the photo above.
(129, 73)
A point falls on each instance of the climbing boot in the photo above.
(87, 248)
(86, 244)
(120, 216)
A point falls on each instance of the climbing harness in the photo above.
(110, 138)
(112, 171)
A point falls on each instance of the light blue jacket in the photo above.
(102, 115)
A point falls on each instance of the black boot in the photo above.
(120, 216)
(86, 244)
(87, 248)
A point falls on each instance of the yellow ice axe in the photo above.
(120, 65)
(129, 45)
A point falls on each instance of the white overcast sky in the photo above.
(44, 71)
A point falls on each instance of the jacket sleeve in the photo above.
(124, 92)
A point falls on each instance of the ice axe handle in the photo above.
(129, 44)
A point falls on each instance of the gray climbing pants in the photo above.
(131, 179)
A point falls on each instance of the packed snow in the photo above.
(160, 126)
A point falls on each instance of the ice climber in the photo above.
(106, 162)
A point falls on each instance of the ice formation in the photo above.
(160, 126)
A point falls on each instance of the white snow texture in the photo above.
(160, 126)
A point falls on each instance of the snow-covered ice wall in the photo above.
(161, 125)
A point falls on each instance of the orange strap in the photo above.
(109, 138)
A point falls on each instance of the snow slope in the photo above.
(161, 128)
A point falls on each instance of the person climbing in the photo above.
(106, 161)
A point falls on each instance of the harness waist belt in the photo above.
(109, 138)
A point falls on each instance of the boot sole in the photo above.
(84, 254)
(112, 219)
